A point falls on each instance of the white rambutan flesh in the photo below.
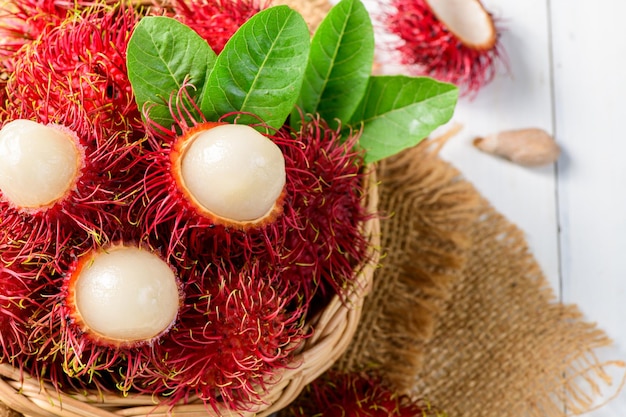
(233, 171)
(468, 20)
(124, 296)
(39, 164)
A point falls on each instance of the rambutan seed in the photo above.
(39, 164)
(468, 20)
(231, 172)
(123, 296)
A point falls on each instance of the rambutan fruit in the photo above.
(73, 79)
(107, 310)
(237, 329)
(342, 394)
(215, 20)
(22, 21)
(57, 189)
(453, 41)
(77, 68)
(207, 177)
(324, 245)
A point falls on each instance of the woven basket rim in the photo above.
(333, 327)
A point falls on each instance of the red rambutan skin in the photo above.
(427, 47)
(74, 75)
(22, 21)
(236, 331)
(20, 298)
(337, 394)
(215, 20)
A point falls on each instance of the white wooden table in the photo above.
(567, 75)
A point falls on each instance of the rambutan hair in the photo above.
(215, 20)
(428, 47)
(236, 331)
(356, 394)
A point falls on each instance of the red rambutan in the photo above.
(216, 20)
(337, 394)
(453, 41)
(324, 246)
(236, 331)
(78, 67)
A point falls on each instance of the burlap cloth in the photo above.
(461, 313)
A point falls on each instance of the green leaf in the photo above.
(162, 53)
(261, 68)
(340, 63)
(399, 111)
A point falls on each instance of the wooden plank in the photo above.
(589, 60)
(518, 98)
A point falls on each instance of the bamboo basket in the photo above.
(333, 330)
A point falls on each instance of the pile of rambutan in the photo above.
(182, 188)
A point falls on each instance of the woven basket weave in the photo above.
(333, 329)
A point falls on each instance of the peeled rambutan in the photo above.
(72, 83)
(57, 189)
(337, 394)
(236, 331)
(215, 20)
(453, 41)
(206, 178)
(105, 313)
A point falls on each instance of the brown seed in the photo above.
(529, 147)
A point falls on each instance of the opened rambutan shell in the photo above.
(452, 41)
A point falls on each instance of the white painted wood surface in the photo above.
(567, 61)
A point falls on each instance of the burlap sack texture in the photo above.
(461, 313)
